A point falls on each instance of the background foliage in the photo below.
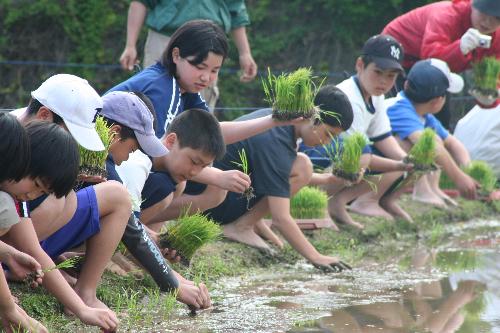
(284, 35)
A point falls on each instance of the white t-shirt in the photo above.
(134, 173)
(479, 131)
(373, 123)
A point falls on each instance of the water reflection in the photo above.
(466, 301)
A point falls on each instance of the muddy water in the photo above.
(452, 288)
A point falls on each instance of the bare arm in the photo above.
(135, 19)
(383, 164)
(231, 180)
(247, 63)
(390, 148)
(234, 131)
(457, 150)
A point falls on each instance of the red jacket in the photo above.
(434, 31)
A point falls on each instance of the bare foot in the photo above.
(429, 198)
(447, 199)
(395, 209)
(264, 231)
(116, 269)
(369, 208)
(244, 234)
(126, 265)
(338, 212)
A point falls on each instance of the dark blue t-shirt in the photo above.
(164, 92)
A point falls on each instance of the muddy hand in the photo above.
(335, 267)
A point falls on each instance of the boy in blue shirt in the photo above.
(413, 110)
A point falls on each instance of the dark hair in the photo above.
(195, 38)
(125, 131)
(366, 59)
(331, 98)
(199, 129)
(14, 149)
(55, 158)
(33, 107)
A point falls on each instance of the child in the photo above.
(96, 215)
(50, 146)
(130, 117)
(413, 110)
(377, 69)
(14, 148)
(277, 173)
(191, 62)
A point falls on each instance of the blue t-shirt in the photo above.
(164, 92)
(405, 120)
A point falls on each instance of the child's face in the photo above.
(195, 78)
(437, 104)
(319, 134)
(185, 163)
(121, 149)
(375, 81)
(486, 24)
(26, 189)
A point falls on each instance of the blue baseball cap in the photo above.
(432, 78)
(129, 110)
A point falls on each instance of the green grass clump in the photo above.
(309, 203)
(423, 152)
(291, 95)
(346, 155)
(483, 173)
(188, 234)
(486, 73)
(94, 162)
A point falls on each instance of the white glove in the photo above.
(473, 39)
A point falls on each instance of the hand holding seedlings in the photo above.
(243, 164)
(346, 157)
(423, 153)
(171, 255)
(68, 263)
(234, 181)
(22, 266)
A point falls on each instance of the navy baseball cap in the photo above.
(432, 78)
(488, 7)
(129, 110)
(387, 53)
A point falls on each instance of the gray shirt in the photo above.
(8, 212)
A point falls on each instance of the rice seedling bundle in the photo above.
(346, 156)
(483, 174)
(93, 163)
(485, 76)
(68, 263)
(309, 203)
(189, 233)
(423, 152)
(243, 165)
(291, 95)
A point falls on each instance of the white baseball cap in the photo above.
(77, 103)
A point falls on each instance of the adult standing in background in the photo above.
(454, 31)
(163, 17)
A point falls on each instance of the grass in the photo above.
(94, 162)
(485, 74)
(483, 174)
(309, 203)
(189, 233)
(423, 152)
(291, 95)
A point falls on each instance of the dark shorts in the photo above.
(83, 225)
(232, 208)
(158, 186)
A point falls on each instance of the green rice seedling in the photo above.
(188, 234)
(291, 95)
(346, 156)
(309, 203)
(243, 165)
(483, 173)
(423, 152)
(68, 263)
(485, 76)
(93, 163)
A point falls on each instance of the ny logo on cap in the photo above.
(395, 51)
